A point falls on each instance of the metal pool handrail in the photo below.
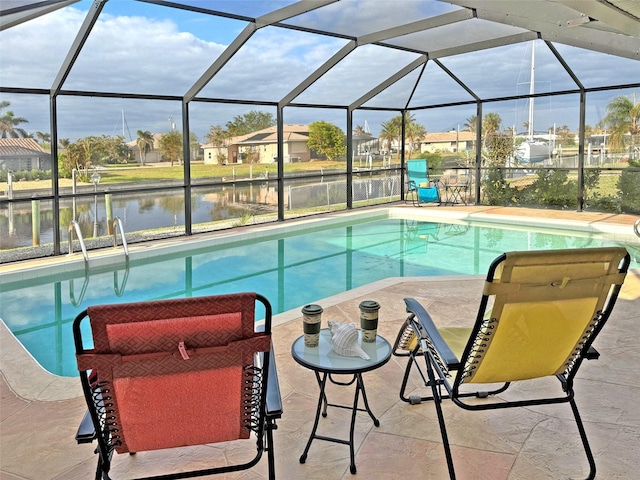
(117, 223)
(72, 297)
(636, 227)
(75, 226)
(117, 287)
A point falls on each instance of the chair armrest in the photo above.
(85, 433)
(274, 398)
(430, 330)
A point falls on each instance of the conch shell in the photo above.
(344, 338)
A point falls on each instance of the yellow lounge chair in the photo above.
(548, 307)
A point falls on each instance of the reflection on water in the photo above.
(139, 211)
(146, 211)
(291, 271)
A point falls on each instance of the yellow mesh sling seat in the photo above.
(175, 373)
(539, 314)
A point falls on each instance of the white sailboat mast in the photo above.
(531, 91)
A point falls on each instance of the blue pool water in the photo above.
(290, 270)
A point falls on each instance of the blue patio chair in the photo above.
(419, 187)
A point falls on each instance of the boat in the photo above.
(532, 150)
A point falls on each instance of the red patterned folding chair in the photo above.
(176, 373)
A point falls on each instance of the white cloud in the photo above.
(139, 54)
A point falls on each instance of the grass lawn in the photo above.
(123, 174)
(200, 170)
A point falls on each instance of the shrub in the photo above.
(552, 188)
(27, 175)
(496, 188)
(629, 188)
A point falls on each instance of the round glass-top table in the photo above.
(324, 362)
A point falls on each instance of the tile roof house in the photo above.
(18, 154)
(153, 155)
(452, 142)
(262, 146)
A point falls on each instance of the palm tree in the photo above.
(9, 123)
(145, 144)
(471, 123)
(490, 125)
(622, 118)
(388, 134)
(43, 137)
(413, 133)
(392, 130)
(359, 131)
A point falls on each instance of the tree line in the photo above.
(326, 140)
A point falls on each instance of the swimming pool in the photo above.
(291, 269)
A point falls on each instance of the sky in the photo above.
(141, 48)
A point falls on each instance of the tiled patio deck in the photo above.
(39, 414)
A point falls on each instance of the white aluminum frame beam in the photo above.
(375, 37)
(607, 13)
(298, 8)
(388, 82)
(483, 45)
(8, 20)
(549, 19)
(317, 73)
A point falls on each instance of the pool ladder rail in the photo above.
(636, 227)
(117, 224)
(74, 227)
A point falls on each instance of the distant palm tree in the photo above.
(622, 119)
(9, 123)
(413, 133)
(388, 133)
(43, 137)
(359, 131)
(145, 144)
(490, 125)
(392, 131)
(471, 124)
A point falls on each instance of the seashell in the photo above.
(344, 338)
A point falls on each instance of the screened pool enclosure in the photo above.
(169, 118)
